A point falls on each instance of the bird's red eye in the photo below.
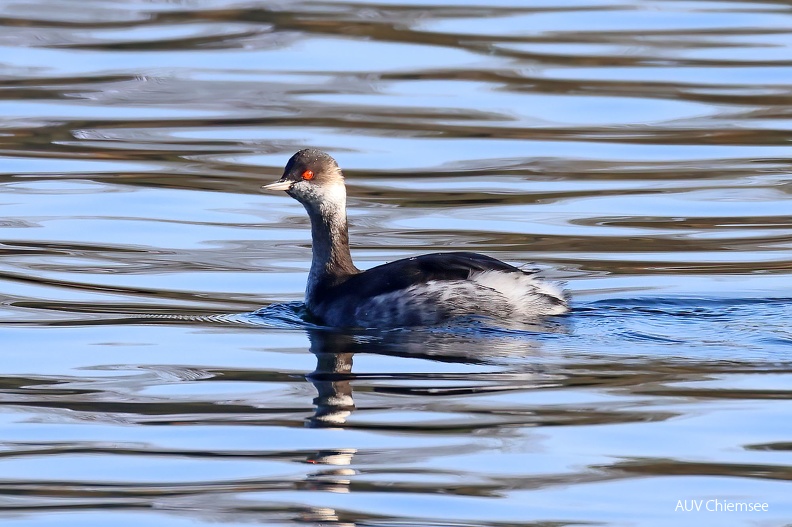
(308, 175)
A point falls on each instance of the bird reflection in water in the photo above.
(335, 468)
(331, 378)
(335, 349)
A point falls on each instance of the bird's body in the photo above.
(422, 290)
(428, 289)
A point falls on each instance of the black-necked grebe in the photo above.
(422, 290)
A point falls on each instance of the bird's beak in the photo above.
(281, 184)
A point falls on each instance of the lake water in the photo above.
(637, 151)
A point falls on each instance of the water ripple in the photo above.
(159, 365)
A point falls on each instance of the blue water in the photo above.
(159, 368)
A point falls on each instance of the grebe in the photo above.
(418, 291)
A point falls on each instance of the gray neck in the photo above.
(330, 244)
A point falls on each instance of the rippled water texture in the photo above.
(637, 151)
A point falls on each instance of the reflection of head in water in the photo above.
(331, 378)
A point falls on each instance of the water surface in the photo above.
(637, 151)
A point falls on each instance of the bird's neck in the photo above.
(331, 260)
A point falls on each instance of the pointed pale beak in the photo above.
(282, 184)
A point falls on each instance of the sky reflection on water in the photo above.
(638, 151)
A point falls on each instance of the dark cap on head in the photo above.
(312, 177)
(320, 164)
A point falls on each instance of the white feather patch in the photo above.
(496, 294)
(528, 295)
